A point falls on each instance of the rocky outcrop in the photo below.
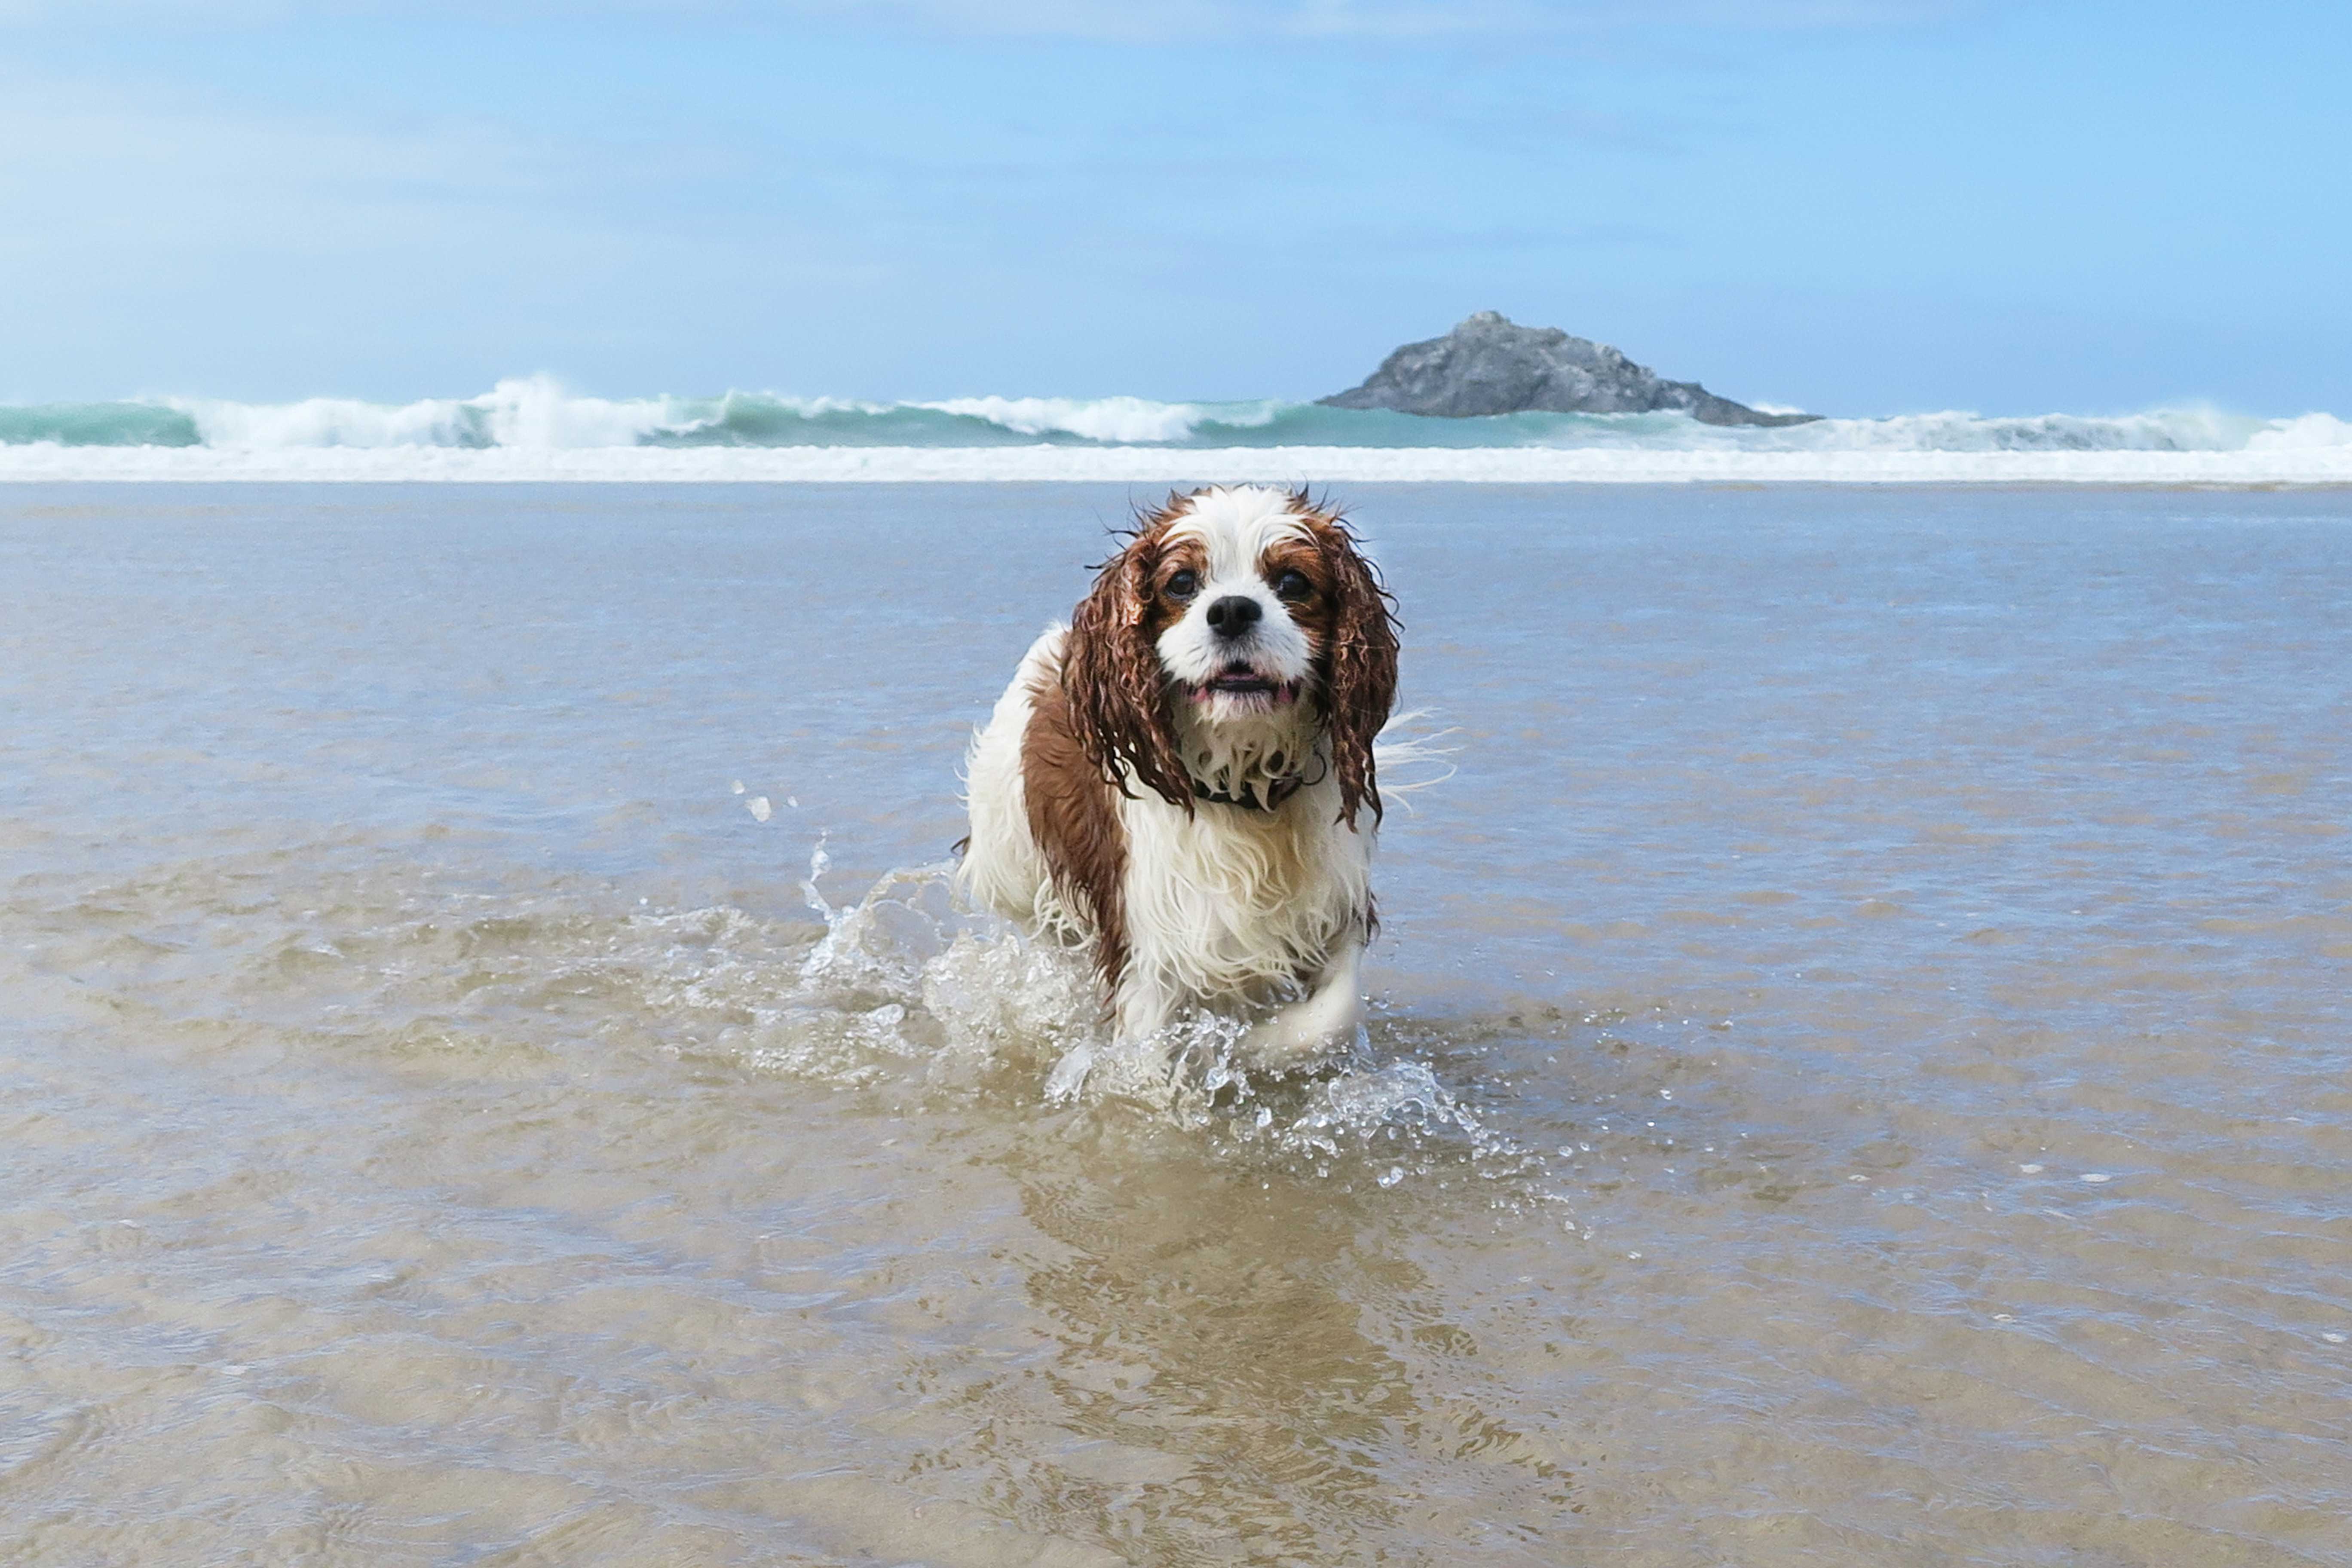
(1489, 364)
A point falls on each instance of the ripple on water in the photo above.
(430, 1137)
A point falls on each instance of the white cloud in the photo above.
(161, 241)
(95, 160)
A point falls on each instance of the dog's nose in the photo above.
(1234, 614)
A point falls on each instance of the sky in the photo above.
(1856, 206)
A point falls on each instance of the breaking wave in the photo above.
(538, 414)
(532, 429)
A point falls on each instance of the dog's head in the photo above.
(1236, 616)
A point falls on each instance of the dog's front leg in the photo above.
(1327, 1017)
(1140, 1009)
(1143, 1009)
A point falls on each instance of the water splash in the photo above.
(909, 975)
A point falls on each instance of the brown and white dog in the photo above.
(1183, 777)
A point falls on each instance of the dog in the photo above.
(1182, 778)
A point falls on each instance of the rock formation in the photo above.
(1489, 364)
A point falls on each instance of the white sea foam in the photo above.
(531, 413)
(2307, 433)
(1108, 419)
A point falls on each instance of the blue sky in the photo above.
(1851, 205)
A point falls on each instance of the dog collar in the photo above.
(1277, 791)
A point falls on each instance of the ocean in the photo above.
(532, 429)
(1856, 1070)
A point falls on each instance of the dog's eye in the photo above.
(1292, 585)
(1183, 584)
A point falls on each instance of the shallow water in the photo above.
(1857, 1072)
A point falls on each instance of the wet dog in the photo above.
(1183, 777)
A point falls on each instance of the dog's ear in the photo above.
(1118, 692)
(1359, 666)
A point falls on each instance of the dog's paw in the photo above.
(1297, 1036)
